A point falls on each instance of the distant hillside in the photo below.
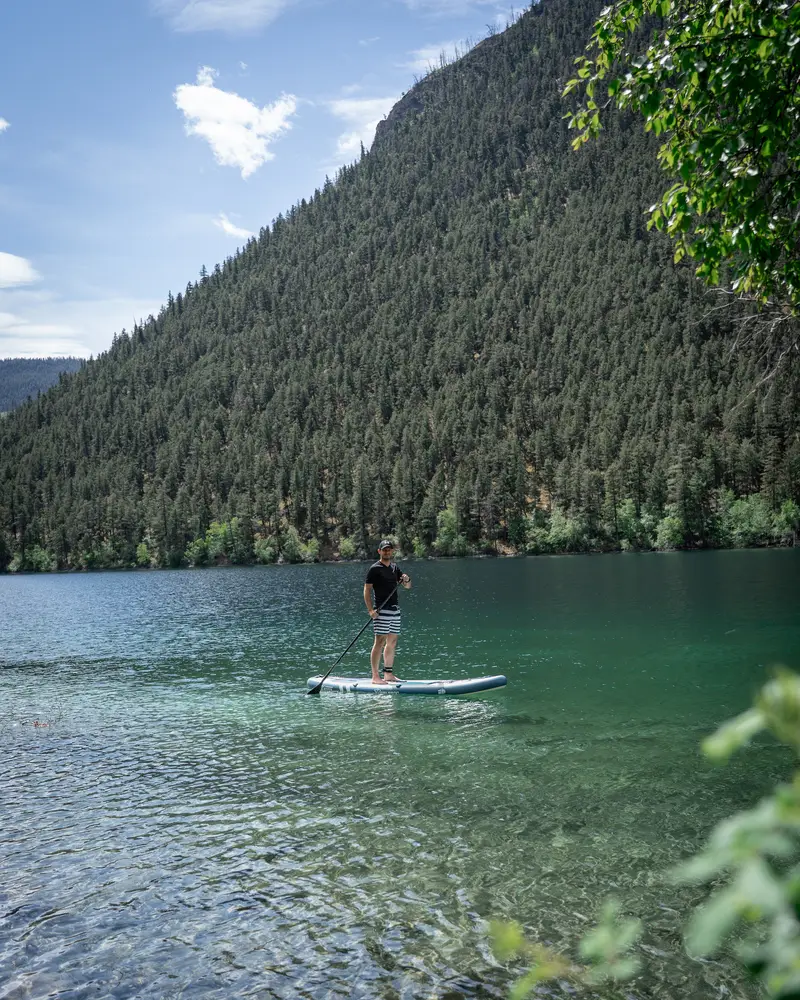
(23, 377)
(469, 340)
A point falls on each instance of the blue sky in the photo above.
(141, 139)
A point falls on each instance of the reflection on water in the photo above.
(189, 822)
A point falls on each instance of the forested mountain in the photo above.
(23, 377)
(469, 339)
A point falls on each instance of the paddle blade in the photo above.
(316, 689)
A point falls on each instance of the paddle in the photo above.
(318, 687)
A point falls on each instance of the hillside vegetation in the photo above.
(23, 377)
(469, 340)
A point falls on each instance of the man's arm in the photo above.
(368, 600)
(405, 580)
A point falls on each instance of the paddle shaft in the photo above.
(317, 688)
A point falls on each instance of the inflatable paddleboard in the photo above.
(361, 685)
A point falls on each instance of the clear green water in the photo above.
(190, 824)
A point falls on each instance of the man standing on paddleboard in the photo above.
(384, 577)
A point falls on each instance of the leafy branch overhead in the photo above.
(720, 81)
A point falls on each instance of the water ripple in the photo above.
(180, 820)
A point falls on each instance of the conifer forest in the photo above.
(23, 377)
(469, 340)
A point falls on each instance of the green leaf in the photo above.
(760, 892)
(765, 48)
(733, 735)
(779, 702)
(607, 944)
(523, 987)
(507, 939)
(711, 923)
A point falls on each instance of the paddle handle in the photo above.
(318, 687)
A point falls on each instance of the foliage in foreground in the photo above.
(753, 859)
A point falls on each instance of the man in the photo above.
(383, 579)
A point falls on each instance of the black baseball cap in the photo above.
(386, 544)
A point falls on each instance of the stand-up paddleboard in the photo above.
(360, 685)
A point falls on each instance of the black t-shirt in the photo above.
(384, 579)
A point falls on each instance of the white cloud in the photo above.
(4, 124)
(15, 271)
(369, 41)
(238, 131)
(231, 16)
(40, 324)
(230, 229)
(500, 13)
(363, 116)
(21, 338)
(449, 6)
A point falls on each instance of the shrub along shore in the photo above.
(743, 522)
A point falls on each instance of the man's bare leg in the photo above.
(375, 658)
(388, 657)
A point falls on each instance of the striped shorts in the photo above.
(387, 622)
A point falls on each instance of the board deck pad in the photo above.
(363, 685)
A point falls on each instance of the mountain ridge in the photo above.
(470, 317)
(24, 377)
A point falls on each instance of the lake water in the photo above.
(190, 824)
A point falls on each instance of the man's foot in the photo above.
(389, 677)
(378, 680)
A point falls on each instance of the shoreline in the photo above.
(255, 564)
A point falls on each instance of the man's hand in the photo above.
(373, 613)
